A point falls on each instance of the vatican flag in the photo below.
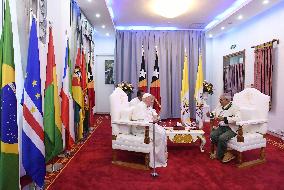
(184, 95)
(198, 93)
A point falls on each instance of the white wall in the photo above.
(104, 49)
(263, 28)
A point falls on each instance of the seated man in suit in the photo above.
(226, 114)
(144, 111)
(138, 99)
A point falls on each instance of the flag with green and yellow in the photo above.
(51, 119)
(9, 154)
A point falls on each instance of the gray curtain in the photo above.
(171, 46)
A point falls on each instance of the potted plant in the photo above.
(126, 87)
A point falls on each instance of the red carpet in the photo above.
(187, 168)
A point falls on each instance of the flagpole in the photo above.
(154, 173)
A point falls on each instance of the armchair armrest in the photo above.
(240, 132)
(131, 123)
(252, 122)
(144, 124)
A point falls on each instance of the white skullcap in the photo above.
(145, 95)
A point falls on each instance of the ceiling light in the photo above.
(89, 0)
(98, 15)
(265, 2)
(210, 36)
(103, 26)
(222, 28)
(240, 17)
(107, 34)
(170, 8)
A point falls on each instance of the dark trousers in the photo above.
(220, 137)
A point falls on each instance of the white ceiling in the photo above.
(93, 7)
(139, 13)
(248, 11)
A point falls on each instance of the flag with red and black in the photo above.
(91, 95)
(155, 85)
(142, 85)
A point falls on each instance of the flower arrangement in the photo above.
(207, 87)
(126, 87)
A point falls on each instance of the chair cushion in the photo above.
(251, 141)
(131, 143)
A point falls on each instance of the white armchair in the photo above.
(254, 107)
(122, 137)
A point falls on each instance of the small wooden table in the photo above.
(186, 136)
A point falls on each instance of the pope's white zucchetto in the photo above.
(145, 95)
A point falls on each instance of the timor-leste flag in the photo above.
(77, 93)
(142, 75)
(91, 95)
(51, 119)
(155, 86)
(9, 152)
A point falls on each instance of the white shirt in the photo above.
(231, 112)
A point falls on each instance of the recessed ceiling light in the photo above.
(103, 26)
(89, 0)
(210, 36)
(240, 17)
(222, 28)
(98, 15)
(107, 34)
(265, 2)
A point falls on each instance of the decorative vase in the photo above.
(205, 98)
(206, 107)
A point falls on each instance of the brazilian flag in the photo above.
(9, 155)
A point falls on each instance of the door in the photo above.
(103, 82)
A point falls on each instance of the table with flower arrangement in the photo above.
(186, 135)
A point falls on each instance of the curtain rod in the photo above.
(235, 54)
(266, 44)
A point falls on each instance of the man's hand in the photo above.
(220, 118)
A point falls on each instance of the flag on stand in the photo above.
(184, 95)
(51, 119)
(91, 95)
(9, 152)
(85, 96)
(142, 75)
(67, 110)
(198, 94)
(33, 151)
(77, 93)
(155, 86)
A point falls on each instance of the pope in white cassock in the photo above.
(144, 111)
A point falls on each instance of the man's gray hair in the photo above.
(227, 96)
